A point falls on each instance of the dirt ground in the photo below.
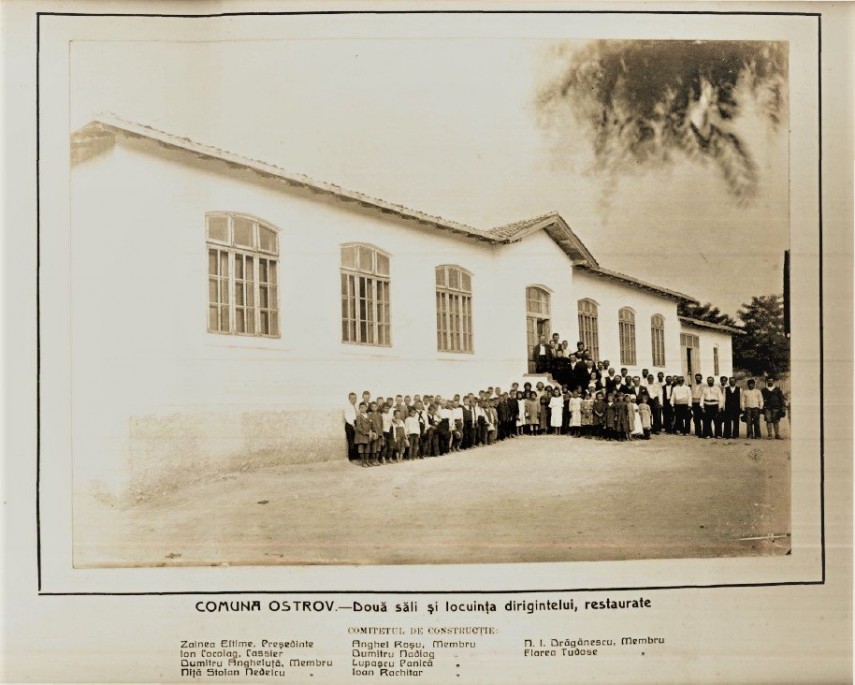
(548, 498)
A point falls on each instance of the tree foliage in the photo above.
(705, 312)
(642, 101)
(765, 347)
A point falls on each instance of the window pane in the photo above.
(212, 319)
(262, 270)
(382, 264)
(218, 228)
(466, 282)
(366, 259)
(348, 257)
(224, 263)
(454, 278)
(212, 262)
(212, 290)
(271, 265)
(271, 296)
(265, 323)
(274, 323)
(224, 318)
(238, 266)
(267, 238)
(243, 229)
(440, 276)
(239, 319)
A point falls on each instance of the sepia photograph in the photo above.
(439, 301)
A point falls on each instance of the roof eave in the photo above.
(649, 287)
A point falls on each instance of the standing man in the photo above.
(681, 397)
(636, 388)
(774, 407)
(732, 409)
(751, 401)
(542, 356)
(350, 425)
(581, 374)
(612, 382)
(668, 405)
(654, 390)
(697, 408)
(712, 402)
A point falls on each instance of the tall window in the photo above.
(365, 296)
(626, 329)
(690, 345)
(588, 328)
(242, 285)
(657, 334)
(538, 315)
(715, 360)
(453, 309)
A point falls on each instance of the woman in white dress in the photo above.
(575, 403)
(556, 411)
(636, 426)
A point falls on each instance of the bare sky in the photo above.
(449, 126)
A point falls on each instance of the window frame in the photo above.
(454, 318)
(377, 297)
(695, 340)
(594, 333)
(657, 341)
(627, 334)
(255, 253)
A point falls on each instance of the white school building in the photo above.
(222, 308)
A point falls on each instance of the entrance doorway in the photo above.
(691, 346)
(538, 320)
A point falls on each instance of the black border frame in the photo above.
(821, 581)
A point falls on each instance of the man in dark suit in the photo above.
(732, 409)
(637, 389)
(581, 374)
(468, 424)
(667, 405)
(541, 355)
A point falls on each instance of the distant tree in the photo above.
(705, 312)
(644, 100)
(764, 348)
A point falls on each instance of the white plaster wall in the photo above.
(610, 297)
(158, 399)
(710, 339)
(142, 356)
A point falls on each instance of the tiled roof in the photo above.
(516, 229)
(101, 131)
(632, 280)
(87, 140)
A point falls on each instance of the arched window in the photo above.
(626, 327)
(588, 327)
(453, 309)
(657, 334)
(243, 253)
(365, 315)
(538, 317)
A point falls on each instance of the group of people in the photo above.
(597, 402)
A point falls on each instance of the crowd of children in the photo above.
(603, 405)
(387, 430)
